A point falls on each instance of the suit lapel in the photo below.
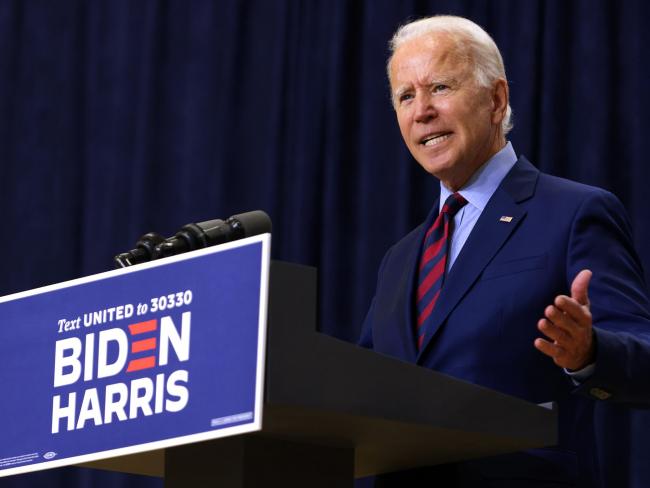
(487, 237)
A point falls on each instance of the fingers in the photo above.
(571, 311)
(550, 349)
(556, 352)
(553, 332)
(580, 287)
(567, 325)
(553, 348)
(568, 312)
(573, 352)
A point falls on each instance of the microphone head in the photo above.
(253, 223)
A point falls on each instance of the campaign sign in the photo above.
(160, 354)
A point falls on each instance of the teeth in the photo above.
(436, 140)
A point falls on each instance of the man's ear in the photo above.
(500, 98)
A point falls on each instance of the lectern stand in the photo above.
(334, 411)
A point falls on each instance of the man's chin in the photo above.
(438, 167)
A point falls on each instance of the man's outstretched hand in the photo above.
(567, 326)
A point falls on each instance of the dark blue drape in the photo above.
(119, 117)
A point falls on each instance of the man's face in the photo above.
(449, 123)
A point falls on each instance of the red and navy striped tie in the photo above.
(433, 262)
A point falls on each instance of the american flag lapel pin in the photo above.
(505, 218)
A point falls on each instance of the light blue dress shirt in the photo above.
(478, 191)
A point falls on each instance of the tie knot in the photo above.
(453, 204)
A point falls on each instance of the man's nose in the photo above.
(424, 108)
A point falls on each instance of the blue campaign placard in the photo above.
(161, 354)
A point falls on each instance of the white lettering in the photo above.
(88, 358)
(116, 406)
(59, 412)
(180, 391)
(140, 401)
(61, 361)
(104, 369)
(90, 409)
(168, 333)
(160, 392)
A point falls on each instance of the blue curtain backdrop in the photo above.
(119, 117)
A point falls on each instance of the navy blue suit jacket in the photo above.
(506, 274)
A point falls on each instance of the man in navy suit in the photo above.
(541, 294)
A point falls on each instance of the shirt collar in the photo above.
(482, 185)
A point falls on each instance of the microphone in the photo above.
(197, 236)
(143, 252)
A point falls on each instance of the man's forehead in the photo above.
(433, 57)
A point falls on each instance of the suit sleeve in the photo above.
(365, 339)
(601, 240)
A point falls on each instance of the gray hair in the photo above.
(479, 46)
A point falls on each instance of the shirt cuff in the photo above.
(581, 375)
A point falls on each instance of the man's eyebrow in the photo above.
(400, 90)
(450, 80)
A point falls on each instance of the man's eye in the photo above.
(439, 88)
(405, 97)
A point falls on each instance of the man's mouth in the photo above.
(433, 139)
